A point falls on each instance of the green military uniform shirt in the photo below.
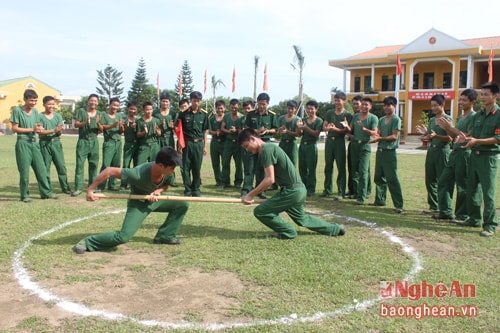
(386, 129)
(268, 120)
(90, 131)
(332, 117)
(285, 172)
(193, 124)
(114, 132)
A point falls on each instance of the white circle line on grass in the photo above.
(24, 279)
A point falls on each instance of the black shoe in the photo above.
(76, 193)
(176, 241)
(27, 200)
(376, 204)
(430, 211)
(466, 223)
(277, 236)
(324, 195)
(342, 231)
(262, 196)
(68, 191)
(398, 210)
(196, 195)
(54, 197)
(174, 185)
(113, 189)
(441, 217)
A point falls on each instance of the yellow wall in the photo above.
(14, 95)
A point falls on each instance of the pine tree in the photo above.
(138, 91)
(187, 81)
(110, 82)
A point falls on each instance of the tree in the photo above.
(187, 81)
(256, 67)
(110, 82)
(216, 84)
(139, 85)
(299, 64)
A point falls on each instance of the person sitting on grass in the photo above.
(146, 179)
(279, 169)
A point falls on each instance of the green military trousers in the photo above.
(386, 177)
(28, 155)
(86, 149)
(137, 211)
(52, 151)
(291, 200)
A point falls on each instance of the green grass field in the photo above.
(320, 284)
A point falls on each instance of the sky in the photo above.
(63, 43)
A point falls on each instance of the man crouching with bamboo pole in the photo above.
(146, 179)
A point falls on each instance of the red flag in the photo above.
(205, 83)
(400, 67)
(158, 84)
(490, 65)
(265, 87)
(234, 80)
(180, 134)
(180, 84)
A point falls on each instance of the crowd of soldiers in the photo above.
(476, 136)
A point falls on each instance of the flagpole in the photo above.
(399, 71)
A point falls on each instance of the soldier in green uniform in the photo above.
(386, 162)
(230, 125)
(25, 123)
(167, 115)
(218, 140)
(147, 131)
(484, 142)
(363, 125)
(195, 125)
(151, 179)
(164, 114)
(87, 146)
(50, 143)
(264, 122)
(335, 147)
(287, 127)
(458, 164)
(310, 128)
(130, 146)
(290, 197)
(438, 152)
(112, 128)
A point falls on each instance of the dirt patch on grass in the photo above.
(138, 285)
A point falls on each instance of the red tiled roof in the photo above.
(383, 51)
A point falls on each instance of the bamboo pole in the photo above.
(171, 198)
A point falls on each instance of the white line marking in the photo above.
(26, 282)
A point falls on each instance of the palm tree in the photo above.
(299, 64)
(256, 66)
(216, 84)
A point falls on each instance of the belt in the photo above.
(115, 140)
(289, 140)
(361, 141)
(386, 149)
(290, 186)
(440, 146)
(485, 152)
(89, 139)
(220, 140)
(49, 139)
(232, 140)
(308, 142)
(130, 141)
(194, 140)
(27, 138)
(148, 143)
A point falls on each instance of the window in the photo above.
(447, 80)
(415, 81)
(462, 80)
(368, 83)
(385, 83)
(428, 81)
(357, 84)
